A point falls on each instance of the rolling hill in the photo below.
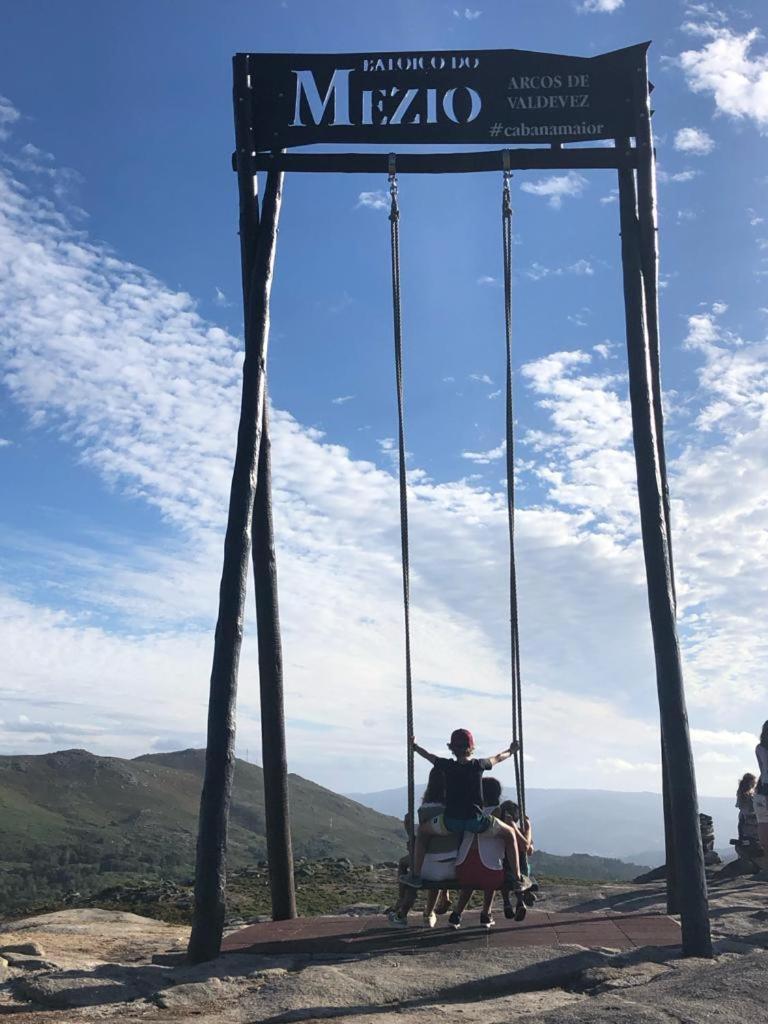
(149, 805)
(71, 820)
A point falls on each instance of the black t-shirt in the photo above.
(463, 786)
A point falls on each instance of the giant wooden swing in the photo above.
(542, 101)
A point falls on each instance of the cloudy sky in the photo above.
(120, 340)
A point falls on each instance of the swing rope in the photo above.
(517, 703)
(514, 625)
(394, 225)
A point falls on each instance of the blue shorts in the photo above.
(476, 825)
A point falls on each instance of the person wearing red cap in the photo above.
(464, 801)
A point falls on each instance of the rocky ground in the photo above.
(83, 966)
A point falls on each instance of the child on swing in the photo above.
(464, 804)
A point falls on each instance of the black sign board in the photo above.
(508, 97)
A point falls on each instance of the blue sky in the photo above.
(120, 332)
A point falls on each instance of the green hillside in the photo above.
(72, 820)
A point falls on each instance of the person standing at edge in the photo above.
(760, 799)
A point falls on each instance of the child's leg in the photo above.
(465, 895)
(402, 869)
(406, 902)
(510, 835)
(429, 905)
(424, 831)
(443, 904)
(488, 900)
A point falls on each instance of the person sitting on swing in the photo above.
(464, 803)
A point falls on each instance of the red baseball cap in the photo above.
(462, 738)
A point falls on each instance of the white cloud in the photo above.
(9, 115)
(128, 375)
(727, 68)
(678, 177)
(715, 757)
(378, 200)
(481, 378)
(342, 399)
(467, 14)
(4, 442)
(556, 187)
(599, 6)
(486, 279)
(618, 764)
(695, 141)
(582, 268)
(484, 458)
(219, 297)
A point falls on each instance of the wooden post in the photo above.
(647, 209)
(669, 676)
(274, 759)
(670, 857)
(210, 871)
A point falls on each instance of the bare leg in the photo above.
(488, 900)
(406, 901)
(420, 846)
(402, 869)
(432, 895)
(443, 905)
(511, 837)
(465, 895)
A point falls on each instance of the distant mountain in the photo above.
(585, 867)
(600, 822)
(69, 816)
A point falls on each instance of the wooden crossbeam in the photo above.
(549, 158)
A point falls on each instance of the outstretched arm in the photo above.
(432, 758)
(513, 747)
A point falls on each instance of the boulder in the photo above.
(192, 997)
(27, 962)
(105, 985)
(30, 948)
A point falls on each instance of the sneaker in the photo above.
(430, 920)
(520, 911)
(454, 921)
(509, 911)
(412, 881)
(529, 898)
(486, 920)
(395, 921)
